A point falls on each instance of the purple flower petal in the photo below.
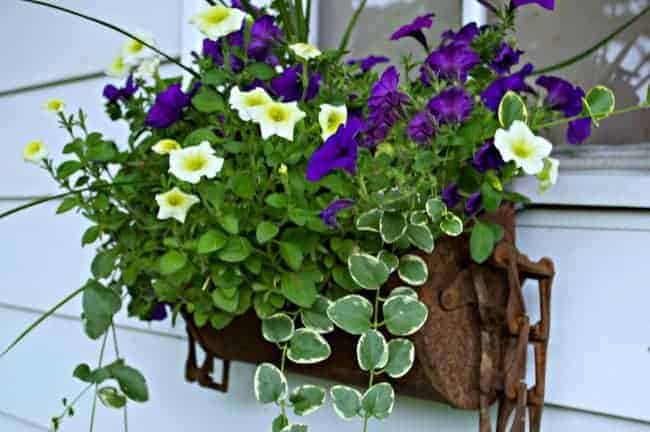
(264, 35)
(338, 152)
(453, 61)
(505, 59)
(368, 63)
(451, 106)
(331, 211)
(516, 82)
(288, 85)
(487, 158)
(159, 312)
(168, 107)
(414, 29)
(464, 36)
(450, 195)
(546, 4)
(114, 94)
(562, 95)
(474, 204)
(579, 130)
(420, 129)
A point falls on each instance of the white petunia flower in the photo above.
(277, 118)
(35, 151)
(305, 51)
(330, 118)
(147, 70)
(118, 68)
(218, 21)
(175, 204)
(166, 146)
(134, 51)
(549, 175)
(54, 105)
(520, 144)
(192, 163)
(245, 102)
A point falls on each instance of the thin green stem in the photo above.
(99, 364)
(117, 354)
(76, 399)
(580, 117)
(351, 25)
(117, 29)
(283, 362)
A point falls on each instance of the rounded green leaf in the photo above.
(421, 237)
(211, 241)
(346, 401)
(278, 328)
(404, 290)
(352, 314)
(315, 318)
(308, 347)
(413, 270)
(372, 351)
(266, 231)
(392, 226)
(378, 401)
(511, 109)
(401, 355)
(131, 381)
(481, 243)
(226, 298)
(418, 217)
(111, 397)
(404, 315)
(369, 221)
(391, 261)
(270, 384)
(436, 208)
(307, 398)
(237, 250)
(299, 288)
(451, 225)
(601, 101)
(172, 262)
(367, 271)
(292, 255)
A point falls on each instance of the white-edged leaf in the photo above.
(270, 384)
(404, 315)
(413, 270)
(278, 328)
(352, 313)
(307, 399)
(392, 226)
(391, 261)
(451, 225)
(378, 401)
(403, 290)
(295, 428)
(369, 221)
(436, 208)
(308, 347)
(401, 355)
(346, 401)
(601, 102)
(421, 237)
(367, 271)
(315, 318)
(372, 351)
(511, 109)
(418, 217)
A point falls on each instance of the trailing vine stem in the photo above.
(117, 355)
(582, 116)
(351, 25)
(99, 365)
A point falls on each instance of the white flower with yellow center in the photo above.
(35, 151)
(549, 175)
(521, 145)
(330, 118)
(175, 204)
(118, 68)
(54, 105)
(166, 146)
(305, 51)
(218, 21)
(245, 102)
(134, 51)
(147, 70)
(277, 118)
(192, 163)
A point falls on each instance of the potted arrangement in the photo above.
(307, 212)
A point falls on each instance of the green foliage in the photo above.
(511, 109)
(131, 382)
(308, 347)
(278, 328)
(100, 304)
(346, 401)
(401, 355)
(307, 399)
(404, 315)
(372, 351)
(368, 271)
(270, 384)
(352, 314)
(378, 401)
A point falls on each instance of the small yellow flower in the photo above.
(175, 204)
(305, 51)
(35, 151)
(277, 118)
(134, 51)
(330, 118)
(166, 146)
(283, 170)
(192, 163)
(218, 21)
(118, 67)
(549, 175)
(245, 102)
(519, 144)
(54, 105)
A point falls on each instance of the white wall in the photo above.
(599, 368)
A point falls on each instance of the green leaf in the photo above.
(237, 250)
(198, 136)
(308, 347)
(307, 399)
(367, 271)
(497, 231)
(378, 401)
(278, 328)
(91, 235)
(277, 200)
(481, 243)
(295, 428)
(67, 168)
(103, 264)
(266, 231)
(230, 223)
(131, 381)
(392, 226)
(490, 197)
(451, 225)
(369, 221)
(280, 423)
(99, 305)
(211, 241)
(391, 261)
(101, 151)
(346, 401)
(219, 320)
(413, 270)
(67, 204)
(243, 185)
(421, 237)
(260, 70)
(315, 318)
(436, 209)
(226, 299)
(372, 351)
(404, 290)
(404, 315)
(270, 384)
(511, 109)
(418, 217)
(111, 397)
(208, 101)
(401, 355)
(352, 314)
(172, 262)
(601, 101)
(299, 288)
(291, 254)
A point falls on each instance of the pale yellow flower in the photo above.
(330, 118)
(245, 102)
(35, 151)
(192, 163)
(118, 67)
(134, 51)
(549, 175)
(519, 144)
(277, 118)
(305, 51)
(218, 21)
(175, 204)
(54, 105)
(166, 146)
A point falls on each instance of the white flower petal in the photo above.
(245, 102)
(520, 145)
(134, 51)
(277, 118)
(305, 51)
(175, 204)
(35, 151)
(192, 163)
(330, 118)
(218, 21)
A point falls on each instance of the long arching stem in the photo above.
(348, 31)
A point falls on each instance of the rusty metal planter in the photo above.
(470, 353)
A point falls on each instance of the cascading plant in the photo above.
(286, 180)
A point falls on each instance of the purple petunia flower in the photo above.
(450, 195)
(579, 130)
(505, 59)
(331, 211)
(453, 61)
(168, 107)
(474, 204)
(159, 312)
(464, 36)
(338, 152)
(487, 158)
(420, 129)
(414, 30)
(264, 35)
(516, 82)
(453, 105)
(288, 85)
(368, 63)
(214, 50)
(386, 107)
(546, 4)
(562, 95)
(114, 94)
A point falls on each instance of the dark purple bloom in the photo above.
(464, 36)
(562, 95)
(159, 312)
(450, 195)
(505, 59)
(264, 35)
(474, 204)
(168, 107)
(579, 130)
(453, 61)
(338, 152)
(114, 94)
(331, 211)
(414, 29)
(375, 132)
(516, 82)
(421, 128)
(546, 4)
(453, 105)
(367, 63)
(288, 85)
(214, 50)
(385, 95)
(487, 158)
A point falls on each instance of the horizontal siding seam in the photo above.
(24, 421)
